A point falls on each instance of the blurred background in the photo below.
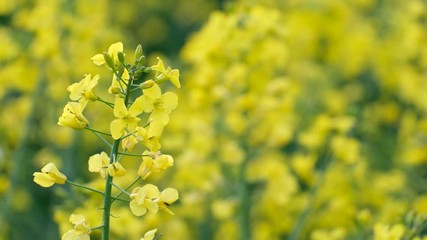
(297, 119)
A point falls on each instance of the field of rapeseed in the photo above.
(245, 119)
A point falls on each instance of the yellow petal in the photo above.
(137, 210)
(43, 179)
(116, 128)
(169, 195)
(151, 190)
(115, 48)
(149, 235)
(137, 106)
(170, 101)
(98, 59)
(153, 207)
(154, 92)
(120, 109)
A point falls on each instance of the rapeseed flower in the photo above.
(81, 229)
(72, 116)
(49, 175)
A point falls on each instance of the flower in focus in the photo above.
(154, 162)
(99, 163)
(150, 198)
(166, 74)
(113, 50)
(149, 235)
(143, 199)
(125, 118)
(83, 91)
(49, 175)
(160, 106)
(72, 116)
(81, 229)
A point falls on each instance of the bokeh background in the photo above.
(298, 119)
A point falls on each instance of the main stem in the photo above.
(109, 180)
(107, 195)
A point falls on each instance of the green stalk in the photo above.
(109, 181)
(107, 195)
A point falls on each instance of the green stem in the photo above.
(121, 189)
(133, 154)
(85, 187)
(102, 139)
(97, 131)
(107, 195)
(126, 188)
(111, 105)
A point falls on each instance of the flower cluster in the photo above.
(132, 96)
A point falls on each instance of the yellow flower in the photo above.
(149, 235)
(143, 199)
(83, 91)
(160, 106)
(115, 85)
(99, 163)
(49, 175)
(154, 162)
(150, 198)
(125, 118)
(166, 74)
(99, 60)
(81, 229)
(72, 116)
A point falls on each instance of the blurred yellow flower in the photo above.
(387, 232)
(149, 235)
(81, 229)
(49, 175)
(114, 48)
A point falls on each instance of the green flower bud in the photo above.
(108, 60)
(138, 53)
(121, 57)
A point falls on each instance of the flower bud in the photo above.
(121, 57)
(138, 53)
(108, 60)
(147, 84)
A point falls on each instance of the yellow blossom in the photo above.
(143, 200)
(125, 118)
(166, 74)
(154, 162)
(83, 91)
(99, 163)
(160, 107)
(49, 175)
(113, 50)
(150, 198)
(72, 116)
(81, 229)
